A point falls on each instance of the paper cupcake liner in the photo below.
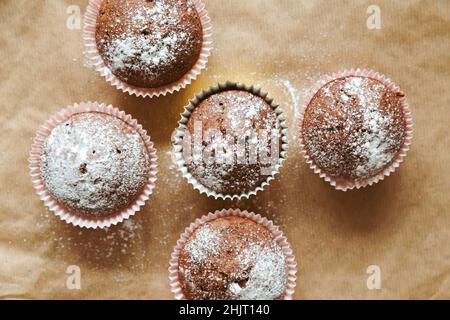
(91, 52)
(35, 158)
(344, 184)
(182, 126)
(278, 236)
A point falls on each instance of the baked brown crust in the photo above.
(354, 127)
(232, 258)
(149, 44)
(237, 114)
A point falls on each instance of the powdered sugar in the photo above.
(241, 132)
(204, 244)
(94, 163)
(374, 145)
(152, 40)
(354, 127)
(142, 52)
(267, 279)
(248, 264)
(295, 97)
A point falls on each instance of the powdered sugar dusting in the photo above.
(94, 163)
(204, 244)
(354, 127)
(234, 116)
(267, 276)
(224, 261)
(295, 97)
(154, 35)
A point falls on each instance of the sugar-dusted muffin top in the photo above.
(94, 164)
(232, 258)
(354, 127)
(237, 130)
(149, 43)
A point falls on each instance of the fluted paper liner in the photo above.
(91, 52)
(182, 126)
(280, 239)
(344, 184)
(35, 159)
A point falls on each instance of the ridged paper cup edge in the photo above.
(182, 126)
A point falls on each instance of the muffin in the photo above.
(355, 128)
(232, 142)
(233, 256)
(149, 44)
(93, 166)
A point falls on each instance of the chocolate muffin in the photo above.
(232, 258)
(94, 164)
(354, 127)
(232, 142)
(149, 43)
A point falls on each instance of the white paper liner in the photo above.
(182, 126)
(344, 184)
(91, 52)
(38, 146)
(278, 237)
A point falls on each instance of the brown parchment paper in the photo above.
(401, 225)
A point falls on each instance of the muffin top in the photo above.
(354, 127)
(232, 258)
(235, 130)
(149, 43)
(94, 164)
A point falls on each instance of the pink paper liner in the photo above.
(37, 148)
(278, 236)
(343, 184)
(182, 125)
(91, 52)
